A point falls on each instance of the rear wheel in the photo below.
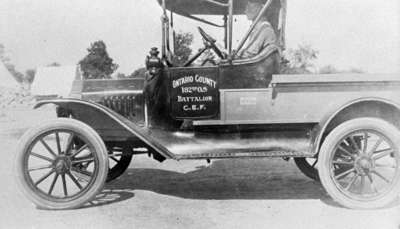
(119, 160)
(54, 171)
(308, 166)
(359, 163)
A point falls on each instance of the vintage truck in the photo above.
(239, 108)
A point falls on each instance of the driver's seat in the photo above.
(254, 72)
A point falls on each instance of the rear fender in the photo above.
(334, 118)
(110, 125)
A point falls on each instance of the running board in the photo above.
(241, 144)
(221, 155)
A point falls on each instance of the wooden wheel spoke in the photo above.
(372, 183)
(48, 147)
(64, 185)
(87, 173)
(345, 151)
(381, 154)
(40, 167)
(343, 174)
(82, 160)
(381, 176)
(115, 159)
(377, 143)
(69, 144)
(343, 163)
(52, 184)
(41, 157)
(362, 184)
(115, 154)
(44, 177)
(114, 149)
(381, 150)
(74, 180)
(354, 143)
(84, 175)
(365, 143)
(352, 181)
(79, 150)
(385, 166)
(315, 163)
(58, 142)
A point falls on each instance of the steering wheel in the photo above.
(211, 41)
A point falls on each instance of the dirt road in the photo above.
(266, 193)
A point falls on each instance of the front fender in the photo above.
(109, 124)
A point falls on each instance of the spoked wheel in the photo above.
(54, 171)
(359, 163)
(308, 166)
(119, 160)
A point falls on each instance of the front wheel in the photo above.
(359, 163)
(57, 173)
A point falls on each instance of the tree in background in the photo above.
(3, 56)
(299, 60)
(30, 75)
(329, 69)
(182, 51)
(97, 64)
(54, 64)
(138, 73)
(18, 76)
(355, 70)
(120, 75)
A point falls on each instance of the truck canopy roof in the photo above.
(204, 7)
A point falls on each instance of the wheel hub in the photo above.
(62, 164)
(364, 165)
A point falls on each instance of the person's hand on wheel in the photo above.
(211, 42)
(222, 49)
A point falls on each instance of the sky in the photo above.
(361, 34)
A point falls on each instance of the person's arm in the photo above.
(264, 36)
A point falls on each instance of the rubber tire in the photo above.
(306, 169)
(121, 167)
(69, 124)
(379, 125)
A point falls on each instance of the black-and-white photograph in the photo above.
(200, 114)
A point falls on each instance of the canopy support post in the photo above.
(230, 23)
(164, 23)
(225, 18)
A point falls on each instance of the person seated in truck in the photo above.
(262, 35)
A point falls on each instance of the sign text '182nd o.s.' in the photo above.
(194, 93)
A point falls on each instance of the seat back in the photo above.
(254, 72)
